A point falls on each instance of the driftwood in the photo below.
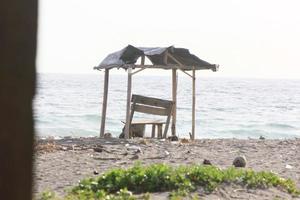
(99, 158)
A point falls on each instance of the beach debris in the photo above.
(262, 137)
(64, 148)
(143, 141)
(139, 150)
(77, 172)
(184, 141)
(136, 149)
(239, 161)
(206, 162)
(167, 153)
(287, 166)
(190, 134)
(135, 157)
(106, 158)
(124, 154)
(49, 146)
(107, 135)
(173, 138)
(96, 172)
(98, 149)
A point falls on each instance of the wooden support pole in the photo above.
(194, 104)
(174, 99)
(180, 64)
(143, 60)
(104, 103)
(127, 125)
(153, 131)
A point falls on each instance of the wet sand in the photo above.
(60, 164)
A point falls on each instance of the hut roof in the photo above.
(128, 57)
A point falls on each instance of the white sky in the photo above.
(250, 38)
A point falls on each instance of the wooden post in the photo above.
(174, 99)
(193, 104)
(129, 80)
(159, 131)
(104, 103)
(143, 60)
(153, 131)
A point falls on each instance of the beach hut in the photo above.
(168, 58)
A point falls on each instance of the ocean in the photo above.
(70, 105)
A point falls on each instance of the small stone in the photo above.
(64, 148)
(107, 135)
(96, 172)
(173, 138)
(206, 162)
(78, 172)
(167, 153)
(139, 150)
(239, 161)
(135, 157)
(287, 166)
(135, 149)
(98, 149)
(262, 137)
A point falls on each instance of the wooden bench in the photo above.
(152, 106)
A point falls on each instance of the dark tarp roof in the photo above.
(128, 56)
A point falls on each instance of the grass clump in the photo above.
(117, 183)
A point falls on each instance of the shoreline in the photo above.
(60, 164)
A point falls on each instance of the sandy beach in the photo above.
(60, 164)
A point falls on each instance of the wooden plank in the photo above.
(130, 118)
(166, 57)
(159, 131)
(137, 71)
(153, 131)
(151, 101)
(142, 59)
(193, 105)
(142, 63)
(168, 66)
(146, 122)
(174, 98)
(104, 102)
(151, 110)
(167, 123)
(127, 125)
(181, 68)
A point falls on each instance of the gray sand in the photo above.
(60, 164)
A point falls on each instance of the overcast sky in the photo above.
(255, 38)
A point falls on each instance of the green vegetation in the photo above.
(180, 181)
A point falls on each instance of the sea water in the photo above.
(70, 105)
